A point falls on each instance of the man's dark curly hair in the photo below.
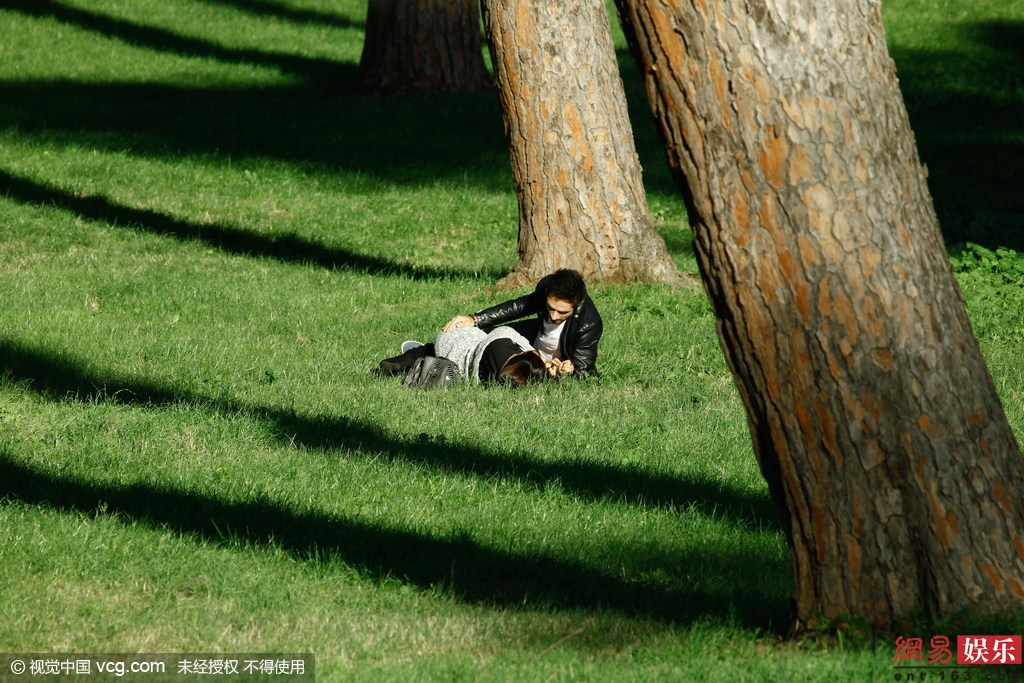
(566, 285)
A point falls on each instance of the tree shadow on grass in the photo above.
(467, 570)
(60, 379)
(482, 574)
(403, 140)
(965, 133)
(318, 121)
(284, 248)
(967, 111)
(323, 71)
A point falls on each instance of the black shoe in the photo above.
(399, 365)
(389, 367)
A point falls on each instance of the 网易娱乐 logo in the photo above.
(940, 659)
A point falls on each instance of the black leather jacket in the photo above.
(580, 335)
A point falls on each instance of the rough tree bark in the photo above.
(582, 203)
(423, 46)
(873, 416)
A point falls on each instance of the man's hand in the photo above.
(459, 321)
(559, 367)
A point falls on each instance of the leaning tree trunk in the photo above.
(423, 46)
(873, 416)
(581, 198)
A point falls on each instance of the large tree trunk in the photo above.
(423, 46)
(582, 203)
(873, 416)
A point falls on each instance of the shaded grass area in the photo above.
(400, 141)
(965, 98)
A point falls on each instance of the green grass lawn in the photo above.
(208, 236)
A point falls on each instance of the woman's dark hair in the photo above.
(523, 368)
(566, 285)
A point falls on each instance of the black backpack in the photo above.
(432, 372)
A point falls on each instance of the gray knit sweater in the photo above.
(465, 346)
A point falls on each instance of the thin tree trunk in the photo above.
(582, 203)
(423, 46)
(873, 416)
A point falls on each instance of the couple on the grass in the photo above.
(556, 335)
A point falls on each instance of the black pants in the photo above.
(397, 365)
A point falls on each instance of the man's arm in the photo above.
(495, 315)
(506, 312)
(583, 347)
(584, 355)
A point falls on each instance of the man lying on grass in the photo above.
(558, 316)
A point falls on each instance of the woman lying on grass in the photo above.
(501, 355)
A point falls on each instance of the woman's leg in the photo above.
(397, 365)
